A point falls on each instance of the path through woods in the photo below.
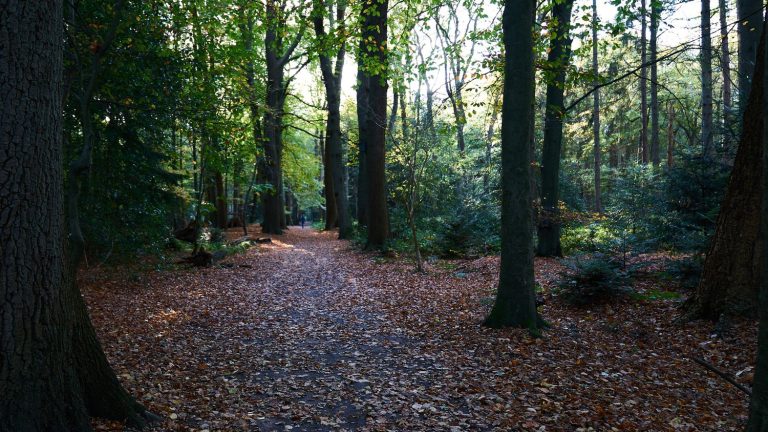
(309, 334)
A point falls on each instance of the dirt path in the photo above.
(308, 334)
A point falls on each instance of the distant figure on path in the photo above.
(303, 220)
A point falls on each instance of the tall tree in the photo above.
(375, 66)
(278, 53)
(643, 82)
(53, 373)
(596, 110)
(750, 16)
(515, 303)
(731, 272)
(725, 67)
(363, 89)
(557, 64)
(655, 140)
(707, 140)
(758, 405)
(332, 79)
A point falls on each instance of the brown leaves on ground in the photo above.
(316, 336)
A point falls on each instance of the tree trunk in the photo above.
(489, 145)
(671, 135)
(375, 32)
(44, 385)
(557, 63)
(330, 195)
(725, 66)
(221, 201)
(362, 146)
(515, 303)
(707, 141)
(758, 405)
(731, 272)
(596, 107)
(750, 16)
(334, 146)
(655, 140)
(644, 83)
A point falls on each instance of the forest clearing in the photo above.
(315, 335)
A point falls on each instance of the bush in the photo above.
(593, 280)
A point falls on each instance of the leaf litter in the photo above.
(318, 336)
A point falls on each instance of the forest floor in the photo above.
(310, 334)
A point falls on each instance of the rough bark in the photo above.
(750, 16)
(557, 63)
(329, 193)
(731, 271)
(707, 140)
(758, 405)
(515, 300)
(374, 14)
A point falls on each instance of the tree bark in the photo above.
(557, 64)
(725, 66)
(750, 16)
(330, 195)
(515, 303)
(707, 141)
(362, 146)
(374, 14)
(731, 272)
(758, 405)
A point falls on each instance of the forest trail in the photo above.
(309, 334)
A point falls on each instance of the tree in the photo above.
(515, 303)
(725, 67)
(596, 109)
(643, 82)
(750, 16)
(707, 141)
(54, 373)
(374, 63)
(557, 64)
(655, 140)
(278, 53)
(332, 80)
(731, 271)
(758, 404)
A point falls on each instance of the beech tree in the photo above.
(375, 68)
(515, 303)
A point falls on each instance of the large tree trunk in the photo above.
(362, 146)
(707, 140)
(758, 406)
(44, 382)
(655, 140)
(731, 272)
(750, 16)
(375, 31)
(39, 390)
(515, 303)
(557, 63)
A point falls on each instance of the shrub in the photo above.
(593, 280)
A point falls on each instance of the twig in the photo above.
(721, 374)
